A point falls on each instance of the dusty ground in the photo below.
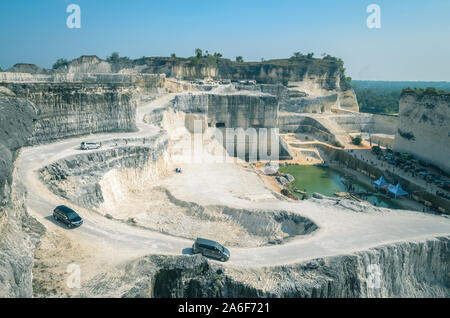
(52, 257)
(156, 210)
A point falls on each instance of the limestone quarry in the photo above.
(155, 116)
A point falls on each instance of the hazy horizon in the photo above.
(411, 45)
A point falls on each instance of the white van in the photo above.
(90, 145)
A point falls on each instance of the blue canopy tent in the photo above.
(380, 182)
(396, 190)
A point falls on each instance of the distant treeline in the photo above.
(381, 97)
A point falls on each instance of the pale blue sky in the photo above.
(412, 44)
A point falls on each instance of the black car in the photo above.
(211, 249)
(67, 216)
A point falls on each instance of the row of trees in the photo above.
(199, 54)
(300, 55)
(113, 58)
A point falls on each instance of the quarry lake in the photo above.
(328, 181)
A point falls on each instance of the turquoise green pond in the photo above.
(327, 181)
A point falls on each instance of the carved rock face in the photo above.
(424, 128)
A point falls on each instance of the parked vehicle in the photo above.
(67, 216)
(211, 249)
(90, 145)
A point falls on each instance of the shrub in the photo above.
(113, 58)
(357, 140)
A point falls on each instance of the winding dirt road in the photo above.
(341, 230)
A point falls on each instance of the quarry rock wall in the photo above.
(354, 122)
(18, 231)
(248, 110)
(410, 269)
(348, 101)
(386, 124)
(232, 110)
(319, 127)
(365, 122)
(71, 109)
(153, 83)
(300, 97)
(78, 178)
(72, 104)
(424, 128)
(321, 104)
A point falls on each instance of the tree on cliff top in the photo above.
(59, 63)
(115, 57)
(198, 53)
(239, 59)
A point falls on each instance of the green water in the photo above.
(327, 181)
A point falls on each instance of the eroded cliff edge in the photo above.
(409, 269)
(19, 232)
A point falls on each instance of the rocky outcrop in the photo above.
(169, 277)
(424, 127)
(321, 127)
(18, 231)
(28, 68)
(77, 178)
(88, 64)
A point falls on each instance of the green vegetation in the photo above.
(406, 134)
(424, 91)
(115, 58)
(239, 59)
(377, 150)
(381, 97)
(357, 140)
(338, 144)
(59, 63)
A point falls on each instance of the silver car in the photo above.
(90, 145)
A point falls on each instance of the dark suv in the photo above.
(67, 216)
(211, 249)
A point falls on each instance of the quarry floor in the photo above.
(345, 227)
